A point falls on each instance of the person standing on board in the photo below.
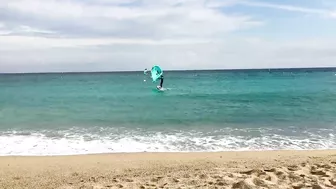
(161, 78)
(161, 81)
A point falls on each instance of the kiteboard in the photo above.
(160, 88)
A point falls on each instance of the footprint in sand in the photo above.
(128, 180)
(156, 179)
(203, 176)
(333, 181)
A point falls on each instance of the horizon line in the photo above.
(176, 70)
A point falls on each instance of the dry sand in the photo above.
(270, 169)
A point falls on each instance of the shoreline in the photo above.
(229, 169)
(180, 152)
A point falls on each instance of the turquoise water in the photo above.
(76, 113)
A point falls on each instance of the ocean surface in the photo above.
(82, 113)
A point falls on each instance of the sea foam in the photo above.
(82, 141)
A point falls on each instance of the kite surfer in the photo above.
(161, 81)
(156, 73)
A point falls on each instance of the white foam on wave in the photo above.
(74, 141)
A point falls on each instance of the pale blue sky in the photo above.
(291, 24)
(106, 35)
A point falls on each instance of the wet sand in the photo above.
(262, 169)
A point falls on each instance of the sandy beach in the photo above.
(263, 169)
